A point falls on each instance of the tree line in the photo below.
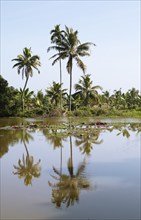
(85, 101)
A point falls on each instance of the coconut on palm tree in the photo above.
(26, 63)
(70, 48)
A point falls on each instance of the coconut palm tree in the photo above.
(25, 64)
(71, 48)
(53, 92)
(86, 90)
(39, 99)
(133, 98)
(27, 96)
(56, 38)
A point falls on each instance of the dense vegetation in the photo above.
(55, 101)
(86, 101)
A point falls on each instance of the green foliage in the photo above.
(83, 111)
(53, 93)
(87, 91)
(9, 104)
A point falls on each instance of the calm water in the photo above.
(92, 174)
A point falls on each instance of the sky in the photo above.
(114, 26)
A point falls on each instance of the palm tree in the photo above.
(39, 99)
(133, 98)
(25, 64)
(53, 92)
(71, 48)
(27, 96)
(86, 90)
(56, 38)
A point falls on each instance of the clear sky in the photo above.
(114, 26)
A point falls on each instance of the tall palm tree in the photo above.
(56, 38)
(71, 48)
(25, 64)
(86, 90)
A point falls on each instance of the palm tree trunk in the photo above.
(23, 138)
(61, 163)
(70, 90)
(60, 84)
(23, 92)
(71, 160)
(26, 149)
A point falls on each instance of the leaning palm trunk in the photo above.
(23, 92)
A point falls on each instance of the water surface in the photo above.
(49, 174)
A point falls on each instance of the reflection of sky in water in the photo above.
(113, 169)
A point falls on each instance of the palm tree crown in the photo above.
(26, 63)
(86, 90)
(53, 92)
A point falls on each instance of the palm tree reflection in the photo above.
(67, 188)
(26, 168)
(86, 142)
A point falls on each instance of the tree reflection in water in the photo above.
(56, 139)
(26, 168)
(67, 188)
(86, 142)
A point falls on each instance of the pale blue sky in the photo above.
(114, 26)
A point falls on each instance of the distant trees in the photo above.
(85, 101)
(9, 104)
